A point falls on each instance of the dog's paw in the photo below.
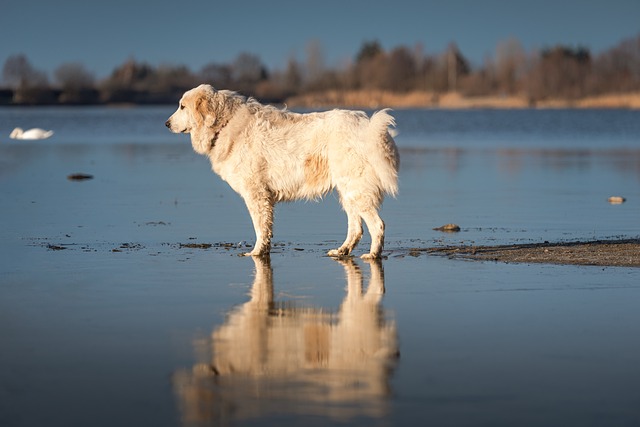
(370, 256)
(259, 251)
(338, 253)
(256, 253)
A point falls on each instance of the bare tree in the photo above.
(481, 82)
(370, 67)
(401, 70)
(617, 69)
(560, 72)
(74, 75)
(18, 73)
(218, 75)
(171, 78)
(247, 71)
(127, 82)
(292, 78)
(457, 66)
(368, 50)
(510, 66)
(433, 76)
(30, 86)
(314, 66)
(131, 74)
(77, 84)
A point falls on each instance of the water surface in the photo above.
(128, 325)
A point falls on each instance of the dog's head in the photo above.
(202, 112)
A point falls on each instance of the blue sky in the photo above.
(103, 34)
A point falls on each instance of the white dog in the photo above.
(269, 155)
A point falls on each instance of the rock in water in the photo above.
(449, 228)
(617, 200)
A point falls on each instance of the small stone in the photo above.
(79, 177)
(449, 228)
(617, 200)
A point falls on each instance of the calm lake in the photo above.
(123, 300)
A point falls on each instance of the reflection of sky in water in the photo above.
(523, 129)
(515, 195)
(94, 337)
(93, 125)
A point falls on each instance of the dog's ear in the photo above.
(205, 117)
(205, 113)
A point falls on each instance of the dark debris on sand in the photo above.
(606, 253)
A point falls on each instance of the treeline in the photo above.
(560, 72)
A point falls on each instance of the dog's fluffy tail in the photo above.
(383, 156)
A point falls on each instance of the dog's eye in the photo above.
(181, 106)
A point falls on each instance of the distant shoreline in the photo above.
(453, 100)
(374, 99)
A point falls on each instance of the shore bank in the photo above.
(452, 100)
(604, 253)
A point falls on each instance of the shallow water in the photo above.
(127, 325)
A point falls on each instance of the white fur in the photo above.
(269, 155)
(35, 133)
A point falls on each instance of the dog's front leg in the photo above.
(261, 211)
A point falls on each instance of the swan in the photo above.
(35, 133)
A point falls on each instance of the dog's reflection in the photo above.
(273, 357)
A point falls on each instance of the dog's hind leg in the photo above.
(261, 211)
(376, 229)
(354, 233)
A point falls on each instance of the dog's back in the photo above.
(307, 155)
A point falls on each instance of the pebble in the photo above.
(449, 228)
(617, 200)
(79, 177)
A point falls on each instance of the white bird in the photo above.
(35, 133)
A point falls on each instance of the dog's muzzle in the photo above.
(168, 123)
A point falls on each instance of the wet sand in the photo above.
(605, 253)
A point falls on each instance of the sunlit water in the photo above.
(127, 326)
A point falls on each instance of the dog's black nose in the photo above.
(168, 124)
